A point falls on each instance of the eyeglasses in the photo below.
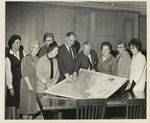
(120, 47)
(48, 40)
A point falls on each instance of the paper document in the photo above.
(90, 84)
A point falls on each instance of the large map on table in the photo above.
(90, 84)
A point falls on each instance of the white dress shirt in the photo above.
(89, 56)
(69, 50)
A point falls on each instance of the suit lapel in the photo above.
(67, 52)
(92, 58)
(86, 60)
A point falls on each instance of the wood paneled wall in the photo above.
(143, 30)
(31, 21)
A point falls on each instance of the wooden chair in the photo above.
(136, 109)
(91, 109)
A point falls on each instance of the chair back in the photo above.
(91, 109)
(136, 109)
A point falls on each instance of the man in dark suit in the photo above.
(66, 57)
(86, 59)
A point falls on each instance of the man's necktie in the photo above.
(89, 63)
(70, 52)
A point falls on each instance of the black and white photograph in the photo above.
(75, 60)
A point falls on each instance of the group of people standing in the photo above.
(44, 67)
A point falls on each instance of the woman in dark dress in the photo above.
(13, 75)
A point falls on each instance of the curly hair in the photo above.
(106, 43)
(47, 34)
(136, 42)
(12, 40)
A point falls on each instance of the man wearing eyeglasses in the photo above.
(123, 59)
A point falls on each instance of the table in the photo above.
(49, 102)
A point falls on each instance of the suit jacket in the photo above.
(43, 71)
(82, 61)
(124, 62)
(65, 61)
(108, 66)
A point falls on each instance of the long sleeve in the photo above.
(77, 64)
(24, 67)
(61, 62)
(114, 67)
(39, 69)
(8, 73)
(24, 54)
(126, 66)
(123, 67)
(25, 71)
(56, 77)
(139, 70)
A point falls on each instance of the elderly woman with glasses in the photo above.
(28, 103)
(123, 60)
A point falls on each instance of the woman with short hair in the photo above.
(107, 63)
(13, 75)
(28, 103)
(47, 69)
(48, 38)
(137, 76)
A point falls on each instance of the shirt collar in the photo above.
(34, 58)
(124, 52)
(16, 55)
(68, 47)
(135, 56)
(89, 55)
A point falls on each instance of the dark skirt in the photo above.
(14, 100)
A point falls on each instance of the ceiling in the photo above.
(132, 6)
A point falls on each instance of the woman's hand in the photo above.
(12, 93)
(48, 85)
(31, 89)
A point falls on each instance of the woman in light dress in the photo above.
(137, 75)
(28, 103)
(47, 69)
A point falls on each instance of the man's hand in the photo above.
(68, 78)
(75, 77)
(12, 93)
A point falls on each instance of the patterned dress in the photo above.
(28, 103)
